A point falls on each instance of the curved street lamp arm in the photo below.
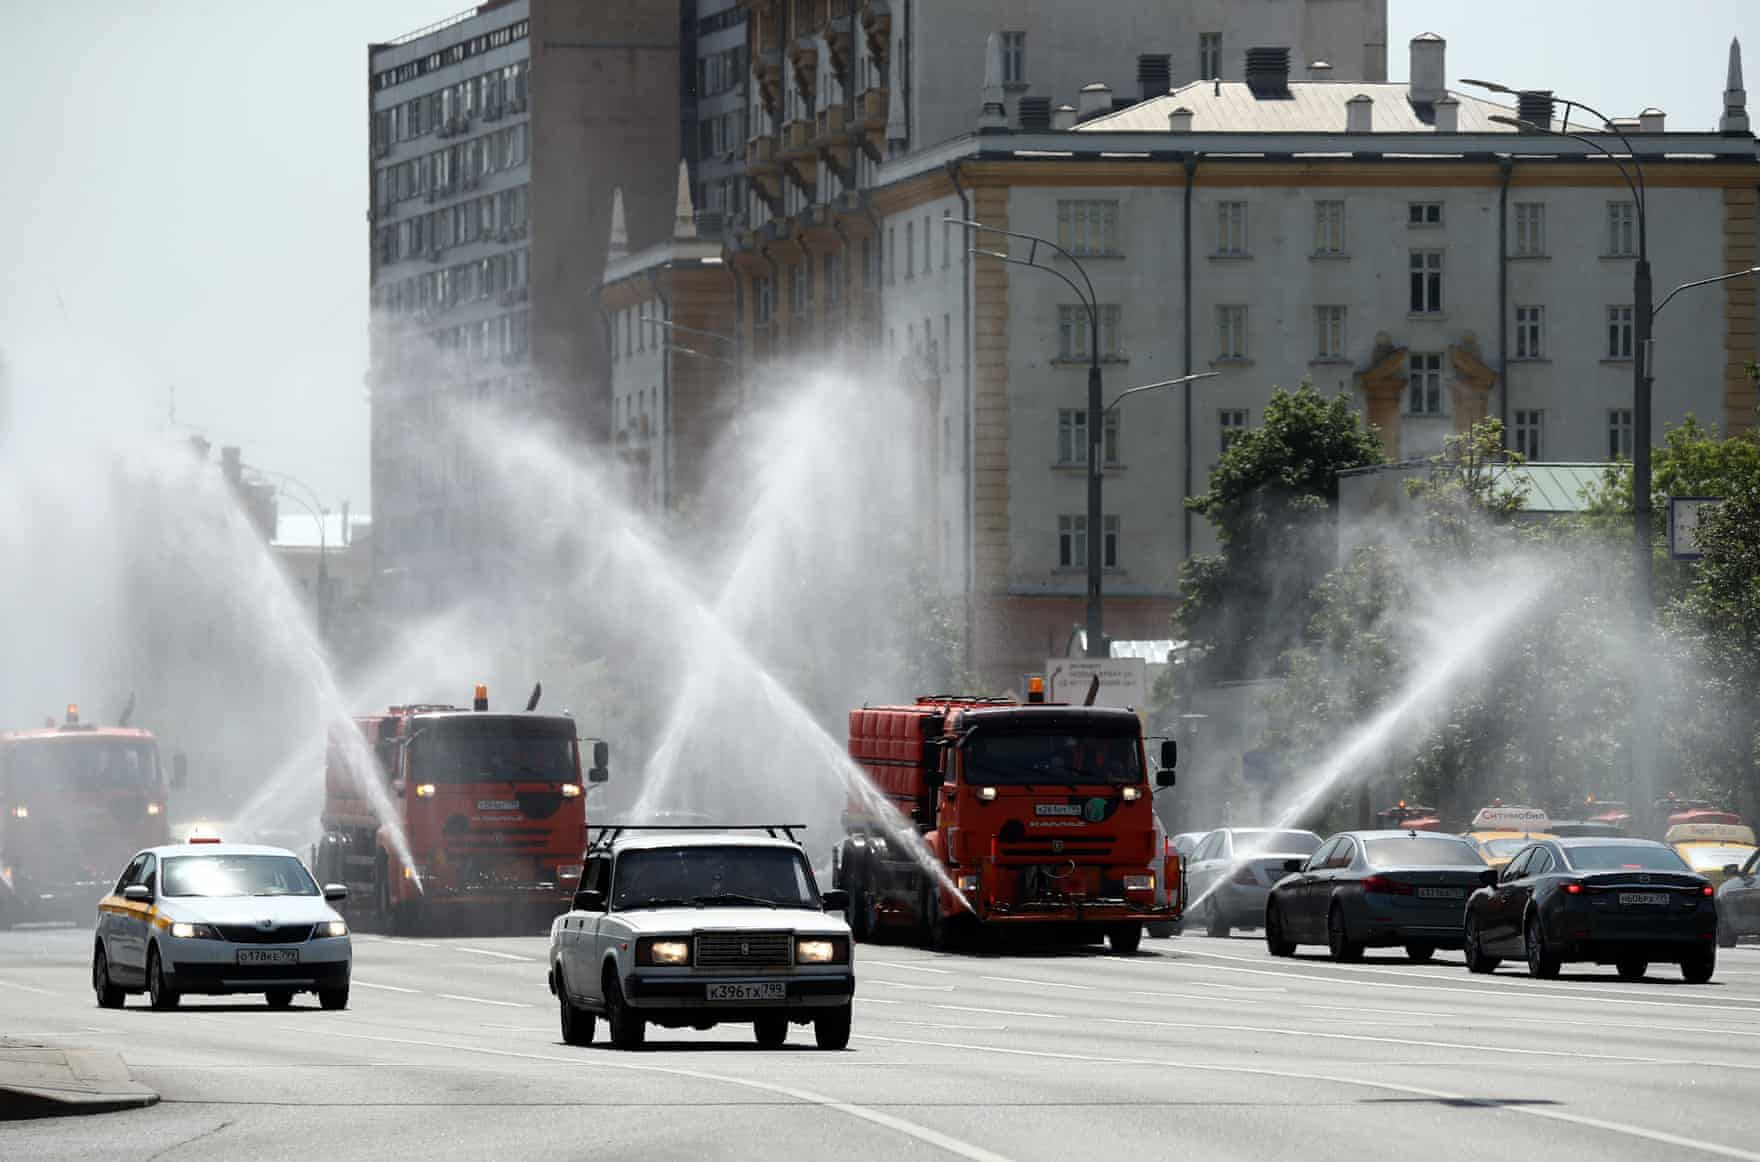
(317, 514)
(1093, 318)
(1702, 282)
(1635, 186)
(671, 326)
(1037, 241)
(1164, 383)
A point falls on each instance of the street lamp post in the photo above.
(1097, 645)
(315, 506)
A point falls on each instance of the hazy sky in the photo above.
(186, 189)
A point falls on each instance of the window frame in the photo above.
(1233, 238)
(1529, 235)
(1530, 332)
(1528, 432)
(1330, 321)
(1325, 211)
(1230, 431)
(1619, 433)
(1080, 220)
(1433, 392)
(1232, 323)
(1014, 56)
(1423, 215)
(1622, 219)
(1621, 337)
(1426, 266)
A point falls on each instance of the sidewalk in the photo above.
(43, 1081)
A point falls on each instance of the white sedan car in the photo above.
(692, 930)
(211, 917)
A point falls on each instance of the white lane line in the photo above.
(1044, 984)
(483, 1001)
(899, 984)
(909, 967)
(25, 988)
(492, 952)
(947, 1142)
(1659, 1136)
(1469, 991)
(386, 988)
(398, 941)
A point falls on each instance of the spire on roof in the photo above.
(1735, 98)
(684, 214)
(619, 233)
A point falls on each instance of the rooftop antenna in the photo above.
(537, 693)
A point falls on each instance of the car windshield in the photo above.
(1053, 758)
(236, 875)
(85, 763)
(1421, 851)
(1506, 848)
(707, 876)
(1252, 843)
(1625, 857)
(473, 749)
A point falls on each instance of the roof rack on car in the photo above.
(607, 833)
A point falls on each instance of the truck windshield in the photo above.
(85, 763)
(236, 875)
(1056, 758)
(711, 876)
(473, 749)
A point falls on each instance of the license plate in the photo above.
(767, 991)
(1442, 893)
(497, 804)
(268, 956)
(1648, 899)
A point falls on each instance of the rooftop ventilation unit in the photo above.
(1035, 114)
(1154, 74)
(1268, 72)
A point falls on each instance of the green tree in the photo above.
(1272, 500)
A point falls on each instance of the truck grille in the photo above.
(743, 950)
(1056, 849)
(284, 934)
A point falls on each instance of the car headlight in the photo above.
(821, 950)
(330, 928)
(663, 950)
(425, 790)
(571, 790)
(185, 931)
(21, 812)
(1139, 883)
(1132, 794)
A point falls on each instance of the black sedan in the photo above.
(1375, 889)
(1624, 902)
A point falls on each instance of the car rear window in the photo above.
(1625, 857)
(1421, 851)
(1248, 843)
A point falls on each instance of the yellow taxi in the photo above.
(1709, 848)
(1499, 832)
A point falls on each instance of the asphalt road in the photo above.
(1194, 1048)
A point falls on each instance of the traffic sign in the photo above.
(1124, 682)
(1684, 514)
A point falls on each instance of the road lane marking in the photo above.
(947, 1142)
(389, 988)
(909, 967)
(1047, 984)
(484, 1001)
(492, 952)
(1660, 1136)
(25, 988)
(899, 984)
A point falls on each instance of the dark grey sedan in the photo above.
(1375, 889)
(1738, 902)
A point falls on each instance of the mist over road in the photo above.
(1197, 1047)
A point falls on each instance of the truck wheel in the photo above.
(109, 996)
(945, 933)
(831, 1028)
(1125, 939)
(628, 1031)
(771, 1030)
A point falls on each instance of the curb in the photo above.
(46, 1081)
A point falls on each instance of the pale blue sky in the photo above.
(186, 190)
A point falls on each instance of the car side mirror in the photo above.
(1169, 756)
(139, 893)
(601, 754)
(836, 900)
(1164, 777)
(1294, 865)
(179, 771)
(1488, 877)
(335, 893)
(598, 775)
(589, 900)
(1731, 871)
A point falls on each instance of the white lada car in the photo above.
(700, 927)
(211, 917)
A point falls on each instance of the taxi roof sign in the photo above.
(1710, 833)
(1502, 818)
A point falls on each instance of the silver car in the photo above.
(1232, 870)
(1738, 902)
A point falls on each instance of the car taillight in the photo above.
(1573, 889)
(1386, 887)
(1707, 890)
(1244, 875)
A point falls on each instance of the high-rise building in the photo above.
(497, 137)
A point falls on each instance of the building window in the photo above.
(947, 342)
(1231, 332)
(1526, 430)
(1088, 227)
(1209, 56)
(1530, 332)
(1072, 541)
(1014, 58)
(1619, 332)
(910, 250)
(1619, 434)
(1072, 332)
(1424, 214)
(1329, 332)
(1424, 392)
(1622, 229)
(891, 254)
(946, 238)
(1231, 228)
(927, 264)
(1530, 229)
(1426, 282)
(1328, 227)
(1232, 421)
(1072, 436)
